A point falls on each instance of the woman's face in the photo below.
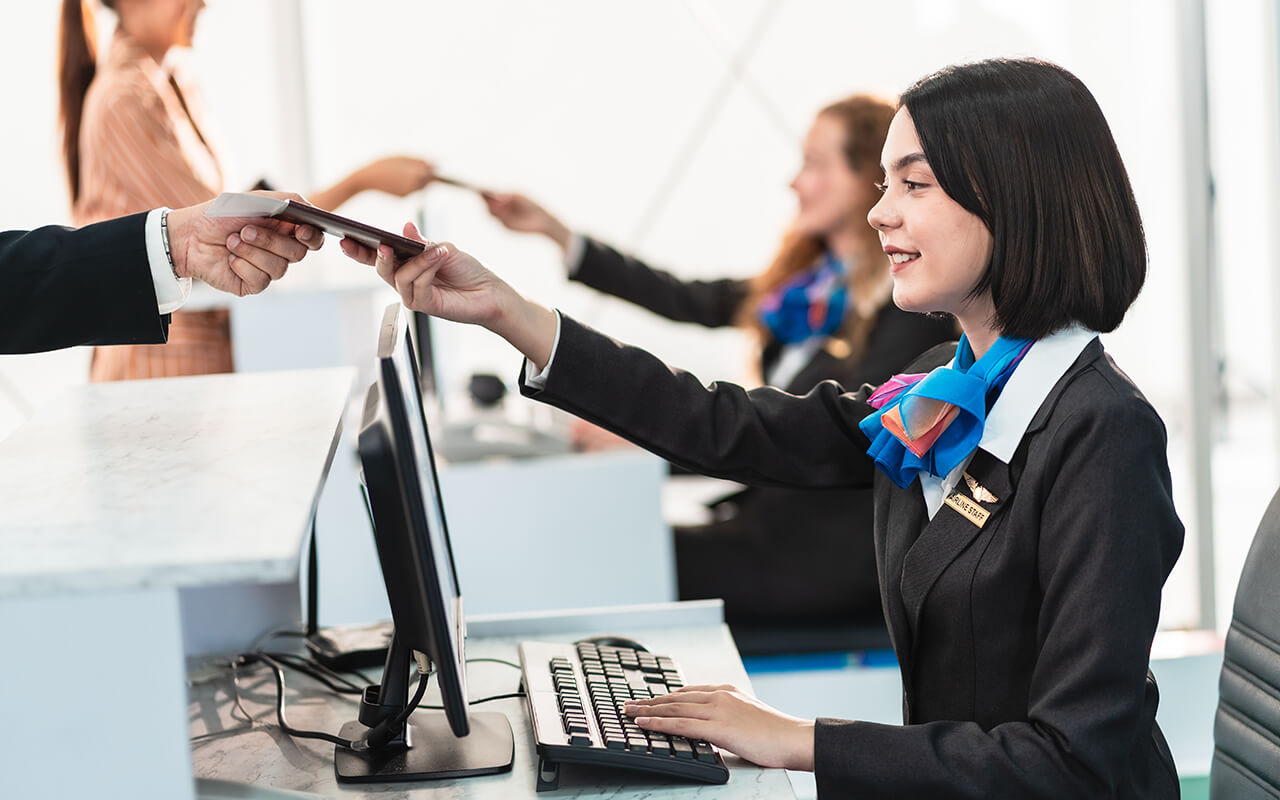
(831, 196)
(937, 250)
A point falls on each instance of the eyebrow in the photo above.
(906, 161)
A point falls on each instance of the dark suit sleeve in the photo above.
(65, 287)
(713, 304)
(764, 436)
(1108, 537)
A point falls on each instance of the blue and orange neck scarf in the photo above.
(931, 422)
(811, 304)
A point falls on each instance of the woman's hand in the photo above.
(518, 213)
(397, 175)
(445, 282)
(730, 719)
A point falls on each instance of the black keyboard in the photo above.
(576, 694)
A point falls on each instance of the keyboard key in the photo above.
(660, 745)
(703, 752)
(580, 740)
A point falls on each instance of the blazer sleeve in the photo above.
(763, 436)
(1108, 538)
(67, 287)
(713, 304)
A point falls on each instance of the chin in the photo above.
(905, 300)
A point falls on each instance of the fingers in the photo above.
(692, 710)
(310, 237)
(269, 250)
(358, 252)
(691, 728)
(411, 277)
(258, 256)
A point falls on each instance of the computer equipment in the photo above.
(575, 695)
(479, 432)
(412, 541)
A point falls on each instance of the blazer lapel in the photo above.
(901, 517)
(951, 531)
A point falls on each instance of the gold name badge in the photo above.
(968, 508)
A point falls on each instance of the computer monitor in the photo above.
(420, 335)
(412, 540)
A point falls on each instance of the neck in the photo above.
(846, 244)
(978, 323)
(155, 49)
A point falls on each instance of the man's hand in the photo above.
(240, 255)
(518, 213)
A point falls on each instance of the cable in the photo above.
(496, 661)
(377, 737)
(386, 730)
(477, 702)
(278, 670)
(317, 671)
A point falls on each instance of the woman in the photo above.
(821, 311)
(1024, 520)
(134, 139)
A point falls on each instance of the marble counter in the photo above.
(174, 482)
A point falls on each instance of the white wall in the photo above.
(591, 107)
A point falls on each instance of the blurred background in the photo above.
(672, 127)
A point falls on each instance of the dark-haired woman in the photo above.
(1024, 517)
(134, 139)
(821, 311)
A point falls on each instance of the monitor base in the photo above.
(435, 753)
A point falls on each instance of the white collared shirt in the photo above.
(171, 291)
(1019, 400)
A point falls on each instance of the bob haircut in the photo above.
(1023, 145)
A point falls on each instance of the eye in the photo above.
(881, 186)
(914, 185)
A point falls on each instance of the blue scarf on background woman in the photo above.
(811, 304)
(932, 422)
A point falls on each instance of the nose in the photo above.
(883, 215)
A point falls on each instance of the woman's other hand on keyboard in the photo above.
(730, 719)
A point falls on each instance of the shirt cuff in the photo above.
(171, 291)
(539, 381)
(573, 253)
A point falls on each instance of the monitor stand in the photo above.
(433, 752)
(426, 748)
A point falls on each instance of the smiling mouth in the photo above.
(898, 261)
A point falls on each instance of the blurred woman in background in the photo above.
(821, 310)
(134, 139)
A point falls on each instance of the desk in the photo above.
(692, 633)
(117, 499)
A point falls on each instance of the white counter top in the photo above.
(173, 482)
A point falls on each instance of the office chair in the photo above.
(1246, 729)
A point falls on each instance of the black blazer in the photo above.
(783, 527)
(1023, 644)
(65, 287)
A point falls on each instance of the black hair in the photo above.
(1023, 145)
